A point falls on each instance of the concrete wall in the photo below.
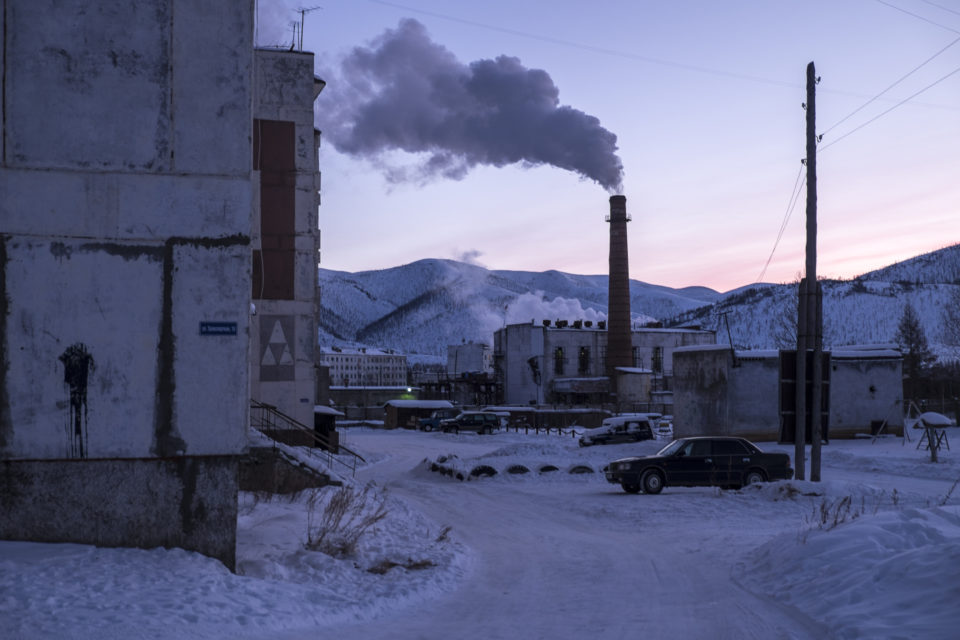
(174, 502)
(513, 347)
(700, 392)
(754, 409)
(284, 92)
(714, 397)
(124, 229)
(468, 358)
(863, 391)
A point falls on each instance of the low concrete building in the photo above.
(407, 413)
(717, 391)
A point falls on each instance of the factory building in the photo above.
(469, 357)
(567, 364)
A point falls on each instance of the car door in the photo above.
(691, 465)
(730, 458)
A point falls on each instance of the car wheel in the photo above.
(753, 477)
(652, 482)
(631, 488)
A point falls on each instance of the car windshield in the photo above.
(671, 448)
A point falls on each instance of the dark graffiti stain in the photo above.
(6, 424)
(77, 365)
(60, 251)
(126, 251)
(166, 441)
(192, 508)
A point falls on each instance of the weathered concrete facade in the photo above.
(470, 357)
(715, 395)
(535, 363)
(286, 238)
(124, 270)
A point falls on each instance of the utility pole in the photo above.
(810, 311)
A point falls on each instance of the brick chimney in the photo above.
(619, 342)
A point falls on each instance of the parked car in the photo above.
(626, 428)
(663, 428)
(702, 461)
(433, 422)
(479, 421)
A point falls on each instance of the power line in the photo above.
(902, 78)
(586, 47)
(630, 56)
(794, 198)
(902, 102)
(917, 16)
(940, 6)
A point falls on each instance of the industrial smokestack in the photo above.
(619, 342)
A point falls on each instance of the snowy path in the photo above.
(558, 561)
(554, 556)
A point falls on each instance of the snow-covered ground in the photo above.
(870, 552)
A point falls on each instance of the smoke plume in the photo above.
(535, 307)
(407, 93)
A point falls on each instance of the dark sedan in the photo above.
(700, 462)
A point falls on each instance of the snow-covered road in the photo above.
(869, 552)
(577, 557)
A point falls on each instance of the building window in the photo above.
(657, 362)
(583, 361)
(637, 359)
(558, 361)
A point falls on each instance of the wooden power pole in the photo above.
(810, 312)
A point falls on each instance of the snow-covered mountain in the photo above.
(864, 310)
(424, 306)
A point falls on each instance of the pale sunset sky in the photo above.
(434, 146)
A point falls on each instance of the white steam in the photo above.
(535, 307)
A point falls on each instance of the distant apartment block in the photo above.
(363, 367)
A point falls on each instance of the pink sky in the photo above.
(705, 101)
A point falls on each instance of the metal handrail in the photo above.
(270, 417)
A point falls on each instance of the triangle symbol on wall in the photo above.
(277, 336)
(285, 357)
(268, 359)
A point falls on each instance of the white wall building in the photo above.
(124, 270)
(363, 367)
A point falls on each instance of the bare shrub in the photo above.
(442, 536)
(829, 514)
(337, 520)
(946, 498)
